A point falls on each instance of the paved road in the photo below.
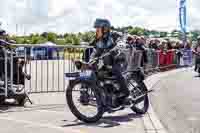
(51, 114)
(177, 102)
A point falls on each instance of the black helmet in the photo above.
(102, 23)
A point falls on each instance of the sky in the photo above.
(60, 16)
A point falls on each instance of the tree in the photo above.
(25, 41)
(66, 35)
(163, 34)
(68, 40)
(175, 33)
(44, 34)
(76, 41)
(19, 40)
(34, 40)
(136, 31)
(146, 32)
(195, 34)
(51, 37)
(60, 41)
(87, 37)
(41, 40)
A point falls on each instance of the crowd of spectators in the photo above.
(168, 51)
(157, 43)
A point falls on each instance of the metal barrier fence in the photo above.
(48, 74)
(47, 69)
(9, 73)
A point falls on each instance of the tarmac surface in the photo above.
(174, 108)
(49, 113)
(177, 102)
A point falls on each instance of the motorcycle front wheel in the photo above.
(91, 109)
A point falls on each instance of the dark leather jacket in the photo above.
(103, 46)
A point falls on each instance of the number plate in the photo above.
(86, 74)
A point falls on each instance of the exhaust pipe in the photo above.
(140, 98)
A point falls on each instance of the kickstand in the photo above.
(28, 98)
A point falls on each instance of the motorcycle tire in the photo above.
(145, 100)
(76, 112)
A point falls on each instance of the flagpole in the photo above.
(183, 19)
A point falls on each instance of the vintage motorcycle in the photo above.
(95, 89)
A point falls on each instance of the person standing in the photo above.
(196, 51)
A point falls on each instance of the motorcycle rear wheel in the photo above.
(144, 100)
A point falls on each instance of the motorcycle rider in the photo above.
(103, 44)
(197, 51)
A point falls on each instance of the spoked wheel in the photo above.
(138, 91)
(84, 101)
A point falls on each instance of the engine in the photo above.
(111, 89)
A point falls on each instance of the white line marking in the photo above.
(51, 111)
(66, 130)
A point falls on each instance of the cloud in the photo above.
(78, 15)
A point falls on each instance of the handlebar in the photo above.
(101, 57)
